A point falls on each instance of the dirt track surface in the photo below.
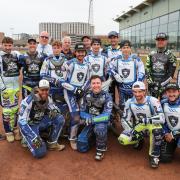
(125, 163)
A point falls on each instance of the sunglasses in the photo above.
(44, 37)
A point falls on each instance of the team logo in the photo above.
(33, 68)
(80, 76)
(12, 67)
(96, 67)
(158, 66)
(125, 72)
(141, 116)
(58, 72)
(173, 120)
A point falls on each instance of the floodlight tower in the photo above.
(90, 16)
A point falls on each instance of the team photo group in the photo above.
(51, 92)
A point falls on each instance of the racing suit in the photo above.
(172, 126)
(9, 73)
(147, 116)
(126, 72)
(160, 69)
(98, 66)
(112, 53)
(178, 78)
(76, 81)
(95, 108)
(36, 116)
(52, 71)
(31, 64)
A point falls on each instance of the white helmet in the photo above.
(43, 84)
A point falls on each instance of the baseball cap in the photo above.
(172, 86)
(113, 33)
(139, 85)
(44, 84)
(32, 39)
(161, 35)
(80, 47)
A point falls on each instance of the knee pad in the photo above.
(157, 133)
(167, 151)
(40, 152)
(84, 141)
(124, 138)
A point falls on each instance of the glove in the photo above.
(37, 142)
(89, 121)
(79, 92)
(145, 121)
(136, 135)
(118, 78)
(53, 113)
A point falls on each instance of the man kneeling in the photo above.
(95, 109)
(37, 114)
(147, 114)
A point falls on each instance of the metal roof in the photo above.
(134, 10)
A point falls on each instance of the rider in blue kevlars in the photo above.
(38, 113)
(126, 69)
(95, 110)
(76, 81)
(171, 108)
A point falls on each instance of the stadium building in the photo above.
(140, 24)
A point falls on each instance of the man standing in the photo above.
(87, 43)
(9, 73)
(31, 63)
(98, 63)
(43, 47)
(75, 83)
(38, 113)
(95, 109)
(66, 48)
(171, 128)
(113, 50)
(126, 69)
(160, 66)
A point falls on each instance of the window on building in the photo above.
(155, 22)
(164, 19)
(174, 16)
(155, 29)
(148, 23)
(137, 27)
(163, 28)
(173, 26)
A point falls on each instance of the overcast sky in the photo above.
(24, 15)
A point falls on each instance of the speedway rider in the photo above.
(31, 62)
(160, 66)
(38, 113)
(75, 83)
(171, 108)
(98, 63)
(148, 115)
(9, 88)
(126, 69)
(95, 109)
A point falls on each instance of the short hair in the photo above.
(96, 40)
(56, 43)
(66, 37)
(95, 77)
(7, 40)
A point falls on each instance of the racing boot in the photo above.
(99, 155)
(2, 137)
(154, 161)
(55, 146)
(17, 135)
(10, 137)
(73, 144)
(23, 143)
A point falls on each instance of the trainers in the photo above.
(154, 161)
(99, 155)
(139, 145)
(55, 147)
(73, 144)
(10, 137)
(17, 135)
